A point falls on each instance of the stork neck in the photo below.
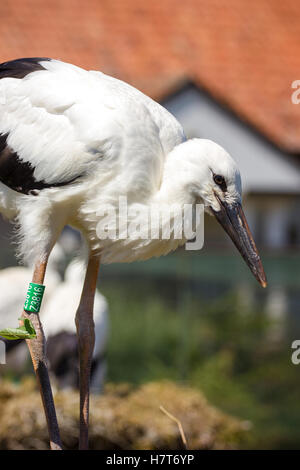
(174, 188)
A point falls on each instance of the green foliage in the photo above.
(219, 347)
(26, 331)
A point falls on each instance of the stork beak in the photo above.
(233, 220)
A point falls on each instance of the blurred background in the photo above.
(224, 68)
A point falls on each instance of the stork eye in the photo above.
(219, 180)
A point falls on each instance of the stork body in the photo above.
(79, 140)
(73, 142)
(60, 330)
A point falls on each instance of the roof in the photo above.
(244, 53)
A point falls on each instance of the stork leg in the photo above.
(86, 341)
(37, 349)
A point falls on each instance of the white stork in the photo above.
(60, 331)
(73, 141)
(17, 276)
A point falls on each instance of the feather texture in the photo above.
(72, 142)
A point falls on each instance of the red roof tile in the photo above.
(244, 53)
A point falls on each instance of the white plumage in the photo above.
(60, 296)
(69, 123)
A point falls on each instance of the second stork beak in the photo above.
(233, 220)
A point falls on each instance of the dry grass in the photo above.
(122, 418)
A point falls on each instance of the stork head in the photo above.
(214, 180)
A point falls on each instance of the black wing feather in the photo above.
(15, 173)
(18, 175)
(21, 67)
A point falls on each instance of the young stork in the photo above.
(73, 141)
(60, 332)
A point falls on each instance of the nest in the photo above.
(122, 418)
